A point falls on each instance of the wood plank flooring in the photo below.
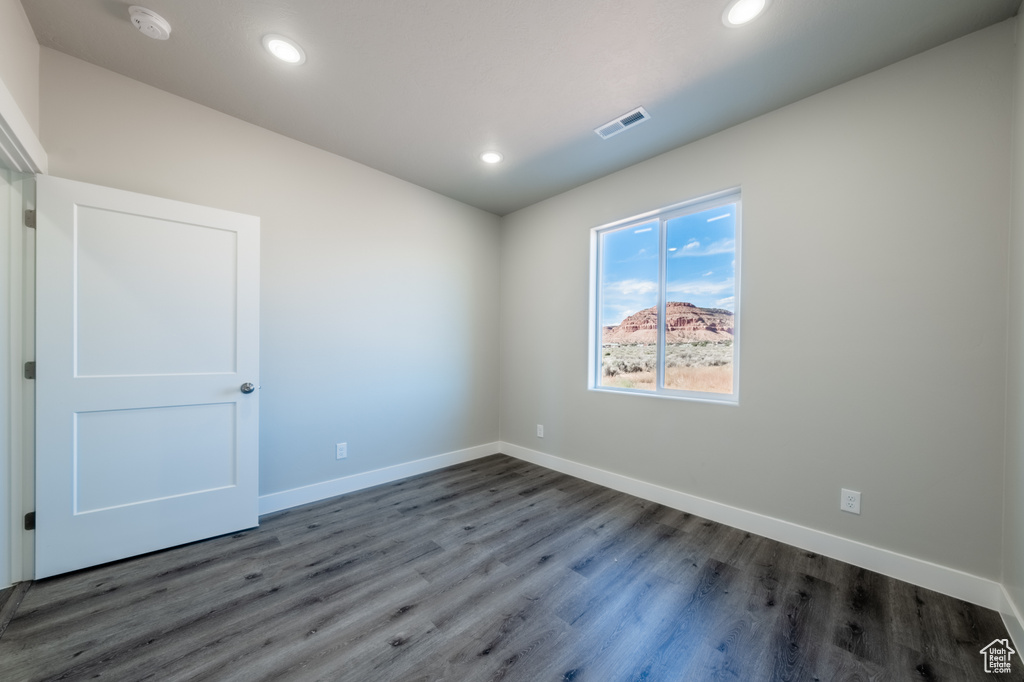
(491, 570)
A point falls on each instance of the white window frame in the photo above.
(663, 215)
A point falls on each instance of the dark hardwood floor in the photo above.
(491, 570)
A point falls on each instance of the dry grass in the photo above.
(689, 367)
(708, 379)
(639, 380)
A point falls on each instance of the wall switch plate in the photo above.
(342, 451)
(849, 501)
(540, 430)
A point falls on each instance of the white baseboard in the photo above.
(286, 499)
(949, 581)
(1011, 618)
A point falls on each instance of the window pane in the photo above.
(700, 299)
(629, 307)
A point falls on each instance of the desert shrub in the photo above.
(700, 365)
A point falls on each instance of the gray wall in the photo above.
(378, 318)
(19, 60)
(875, 235)
(873, 314)
(1013, 514)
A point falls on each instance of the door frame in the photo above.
(21, 157)
(17, 453)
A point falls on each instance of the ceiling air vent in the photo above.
(635, 117)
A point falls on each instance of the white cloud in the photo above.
(712, 249)
(708, 273)
(701, 288)
(631, 287)
(727, 302)
(615, 314)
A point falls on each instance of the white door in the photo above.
(147, 331)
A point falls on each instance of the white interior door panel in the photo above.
(147, 327)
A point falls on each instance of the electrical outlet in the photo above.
(342, 451)
(849, 501)
(540, 430)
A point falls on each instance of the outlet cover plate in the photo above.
(849, 501)
(342, 451)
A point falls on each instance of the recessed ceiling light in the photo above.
(491, 157)
(284, 49)
(739, 12)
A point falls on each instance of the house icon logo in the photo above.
(997, 656)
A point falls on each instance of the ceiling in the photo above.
(419, 89)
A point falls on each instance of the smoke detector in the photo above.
(637, 116)
(149, 22)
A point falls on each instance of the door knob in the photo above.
(248, 387)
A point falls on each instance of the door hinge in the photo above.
(30, 218)
(30, 370)
(30, 521)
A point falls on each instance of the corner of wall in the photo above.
(1012, 560)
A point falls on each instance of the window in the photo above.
(665, 302)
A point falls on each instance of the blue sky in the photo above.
(700, 264)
